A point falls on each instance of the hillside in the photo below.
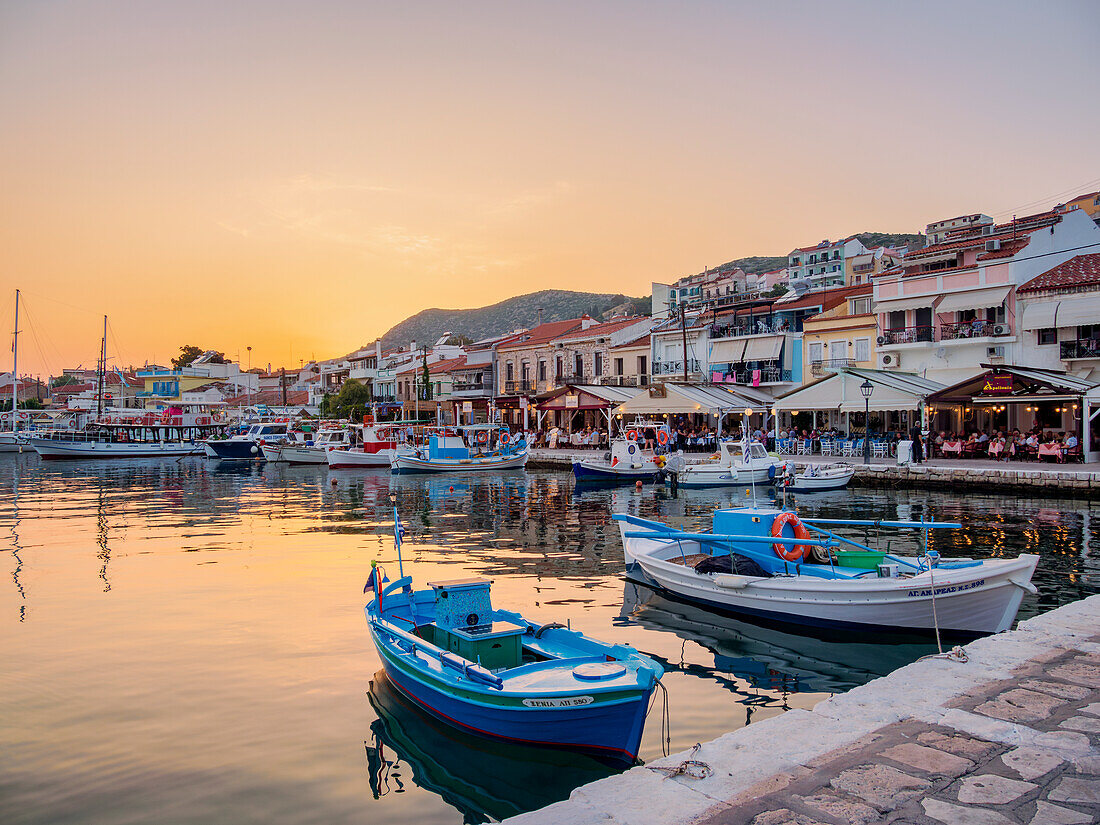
(871, 239)
(508, 315)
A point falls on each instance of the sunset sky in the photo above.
(298, 177)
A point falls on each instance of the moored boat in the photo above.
(372, 444)
(130, 434)
(816, 478)
(633, 457)
(476, 448)
(735, 463)
(494, 673)
(248, 445)
(758, 562)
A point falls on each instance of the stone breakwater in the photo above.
(986, 476)
(1010, 736)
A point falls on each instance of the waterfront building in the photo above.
(163, 386)
(630, 360)
(824, 265)
(1060, 317)
(938, 231)
(862, 268)
(667, 342)
(472, 385)
(521, 358)
(841, 336)
(428, 396)
(584, 356)
(950, 308)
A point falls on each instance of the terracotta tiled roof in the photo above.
(1084, 270)
(543, 333)
(822, 245)
(601, 330)
(436, 367)
(1008, 248)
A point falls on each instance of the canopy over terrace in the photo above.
(1007, 396)
(574, 398)
(840, 392)
(694, 399)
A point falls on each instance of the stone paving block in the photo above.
(1084, 724)
(1093, 709)
(784, 816)
(1087, 764)
(1031, 763)
(928, 760)
(990, 789)
(1019, 705)
(959, 745)
(962, 815)
(880, 785)
(855, 813)
(1079, 673)
(1077, 790)
(1062, 689)
(1047, 814)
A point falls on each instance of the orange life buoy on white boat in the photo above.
(631, 435)
(662, 437)
(790, 552)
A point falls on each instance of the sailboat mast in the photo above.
(102, 370)
(15, 367)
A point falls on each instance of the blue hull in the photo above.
(586, 473)
(611, 731)
(236, 450)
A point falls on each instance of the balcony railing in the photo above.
(467, 386)
(757, 327)
(768, 375)
(908, 335)
(1083, 348)
(674, 367)
(513, 387)
(971, 329)
(819, 368)
(622, 380)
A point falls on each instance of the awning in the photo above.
(903, 304)
(1040, 315)
(974, 299)
(692, 398)
(764, 349)
(841, 391)
(727, 352)
(1076, 314)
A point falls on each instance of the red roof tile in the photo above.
(599, 330)
(1083, 270)
(543, 333)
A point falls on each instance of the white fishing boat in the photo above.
(130, 434)
(639, 454)
(476, 448)
(12, 441)
(308, 447)
(372, 444)
(759, 562)
(817, 478)
(734, 464)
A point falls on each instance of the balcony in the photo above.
(1083, 348)
(768, 375)
(675, 367)
(762, 326)
(908, 335)
(819, 368)
(971, 329)
(622, 380)
(517, 387)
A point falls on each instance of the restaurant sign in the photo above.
(997, 385)
(572, 401)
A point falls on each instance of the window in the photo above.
(642, 359)
(816, 352)
(598, 363)
(526, 371)
(578, 365)
(1047, 336)
(897, 319)
(509, 372)
(560, 367)
(860, 306)
(863, 349)
(542, 370)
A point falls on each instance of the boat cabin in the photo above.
(464, 625)
(733, 453)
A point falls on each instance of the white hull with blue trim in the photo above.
(970, 597)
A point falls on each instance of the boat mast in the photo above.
(15, 368)
(102, 369)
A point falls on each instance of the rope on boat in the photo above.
(691, 768)
(666, 720)
(955, 654)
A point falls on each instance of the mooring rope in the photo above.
(691, 768)
(955, 654)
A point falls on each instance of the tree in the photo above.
(775, 292)
(427, 380)
(24, 404)
(188, 354)
(64, 381)
(459, 340)
(352, 402)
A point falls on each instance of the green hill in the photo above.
(521, 312)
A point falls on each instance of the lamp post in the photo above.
(867, 388)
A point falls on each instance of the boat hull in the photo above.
(603, 472)
(230, 450)
(343, 459)
(820, 484)
(49, 448)
(969, 602)
(402, 463)
(301, 455)
(612, 730)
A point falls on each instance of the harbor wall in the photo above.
(1006, 733)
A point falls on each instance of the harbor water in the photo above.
(184, 641)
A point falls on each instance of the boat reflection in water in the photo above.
(767, 658)
(482, 778)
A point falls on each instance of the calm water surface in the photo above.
(185, 642)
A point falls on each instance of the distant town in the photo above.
(1019, 300)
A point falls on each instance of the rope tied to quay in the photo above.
(691, 768)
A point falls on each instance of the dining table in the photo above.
(952, 447)
(1054, 450)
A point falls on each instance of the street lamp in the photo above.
(867, 388)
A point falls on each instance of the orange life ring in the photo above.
(631, 435)
(790, 552)
(662, 437)
(165, 417)
(482, 437)
(505, 438)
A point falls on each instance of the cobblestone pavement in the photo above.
(1024, 750)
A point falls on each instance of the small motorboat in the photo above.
(735, 464)
(632, 456)
(248, 445)
(476, 448)
(494, 673)
(816, 478)
(769, 564)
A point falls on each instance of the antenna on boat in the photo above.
(398, 531)
(746, 454)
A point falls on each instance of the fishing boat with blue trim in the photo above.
(474, 448)
(639, 454)
(767, 563)
(493, 672)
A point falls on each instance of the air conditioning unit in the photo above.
(995, 354)
(1000, 329)
(888, 359)
(993, 245)
(880, 340)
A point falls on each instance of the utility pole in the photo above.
(15, 369)
(102, 369)
(282, 382)
(684, 336)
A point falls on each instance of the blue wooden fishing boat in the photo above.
(494, 673)
(474, 448)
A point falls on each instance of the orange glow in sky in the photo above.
(299, 177)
